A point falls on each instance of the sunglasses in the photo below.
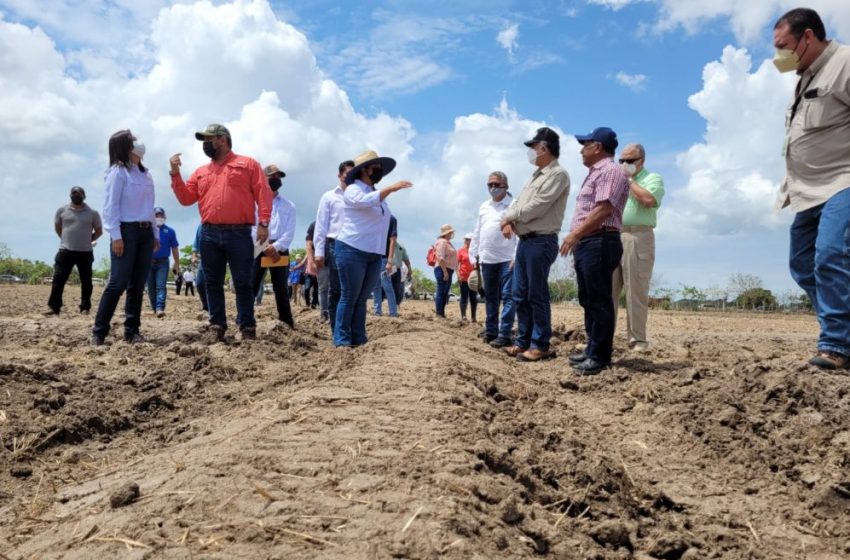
(632, 160)
(494, 185)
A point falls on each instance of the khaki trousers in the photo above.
(634, 274)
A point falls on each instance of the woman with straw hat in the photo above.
(361, 243)
(446, 265)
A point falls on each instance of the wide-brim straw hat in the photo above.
(474, 281)
(365, 159)
(446, 229)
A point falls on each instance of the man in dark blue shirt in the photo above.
(158, 275)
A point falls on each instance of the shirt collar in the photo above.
(641, 174)
(227, 159)
(821, 60)
(604, 161)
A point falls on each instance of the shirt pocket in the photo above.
(822, 111)
(238, 174)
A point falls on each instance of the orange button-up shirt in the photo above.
(227, 192)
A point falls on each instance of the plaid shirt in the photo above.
(605, 181)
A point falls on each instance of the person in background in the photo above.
(362, 242)
(178, 283)
(384, 287)
(311, 280)
(400, 260)
(128, 218)
(464, 269)
(638, 236)
(294, 280)
(199, 276)
(493, 254)
(817, 181)
(328, 222)
(281, 233)
(189, 281)
(536, 217)
(158, 276)
(232, 194)
(597, 248)
(78, 227)
(446, 265)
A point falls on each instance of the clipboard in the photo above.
(266, 262)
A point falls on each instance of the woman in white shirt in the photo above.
(128, 218)
(361, 242)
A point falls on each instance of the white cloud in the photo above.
(635, 82)
(733, 175)
(508, 39)
(615, 4)
(54, 124)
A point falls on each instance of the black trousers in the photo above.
(63, 265)
(468, 295)
(188, 287)
(279, 276)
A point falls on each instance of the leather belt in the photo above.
(228, 226)
(142, 225)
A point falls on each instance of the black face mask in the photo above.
(275, 183)
(77, 199)
(376, 175)
(209, 150)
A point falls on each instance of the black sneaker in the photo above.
(500, 342)
(213, 334)
(50, 312)
(97, 340)
(577, 358)
(589, 367)
(134, 338)
(248, 333)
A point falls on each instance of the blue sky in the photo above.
(450, 89)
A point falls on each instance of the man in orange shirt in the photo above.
(231, 192)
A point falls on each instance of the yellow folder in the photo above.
(266, 262)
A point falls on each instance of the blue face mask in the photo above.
(496, 192)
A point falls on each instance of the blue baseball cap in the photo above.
(158, 210)
(603, 135)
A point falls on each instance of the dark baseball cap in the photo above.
(157, 211)
(603, 135)
(213, 129)
(544, 134)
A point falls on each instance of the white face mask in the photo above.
(160, 222)
(139, 149)
(532, 156)
(630, 169)
(786, 60)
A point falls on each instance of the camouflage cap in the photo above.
(273, 169)
(213, 129)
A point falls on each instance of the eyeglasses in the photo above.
(494, 185)
(630, 160)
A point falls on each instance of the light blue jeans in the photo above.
(157, 279)
(385, 285)
(820, 264)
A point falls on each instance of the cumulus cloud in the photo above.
(635, 82)
(734, 174)
(748, 19)
(614, 4)
(264, 84)
(508, 38)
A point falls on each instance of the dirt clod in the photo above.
(125, 495)
(612, 534)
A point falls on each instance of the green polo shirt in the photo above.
(636, 214)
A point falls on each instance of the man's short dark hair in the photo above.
(800, 19)
(553, 148)
(346, 163)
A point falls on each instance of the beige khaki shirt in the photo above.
(541, 204)
(817, 135)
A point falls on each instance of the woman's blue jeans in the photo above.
(444, 285)
(358, 272)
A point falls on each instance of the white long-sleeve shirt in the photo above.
(488, 245)
(281, 224)
(130, 197)
(328, 219)
(365, 219)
